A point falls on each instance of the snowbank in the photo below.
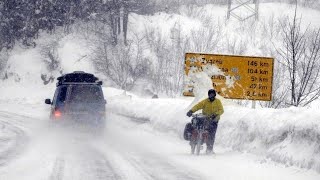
(290, 136)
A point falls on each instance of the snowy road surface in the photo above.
(30, 148)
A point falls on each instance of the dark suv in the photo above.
(78, 98)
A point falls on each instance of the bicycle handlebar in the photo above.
(199, 116)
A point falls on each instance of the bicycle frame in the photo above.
(199, 134)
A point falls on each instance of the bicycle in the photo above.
(199, 133)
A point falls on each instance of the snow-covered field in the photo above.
(143, 136)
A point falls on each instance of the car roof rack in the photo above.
(79, 83)
(78, 77)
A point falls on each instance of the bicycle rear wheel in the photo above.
(198, 145)
(193, 148)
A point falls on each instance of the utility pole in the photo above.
(236, 6)
(229, 8)
(257, 9)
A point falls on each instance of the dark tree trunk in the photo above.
(125, 24)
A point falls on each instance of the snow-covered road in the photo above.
(12, 137)
(128, 149)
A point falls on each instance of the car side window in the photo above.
(54, 100)
(62, 94)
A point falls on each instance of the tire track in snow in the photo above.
(81, 161)
(13, 140)
(154, 167)
(75, 158)
(58, 169)
(103, 168)
(149, 164)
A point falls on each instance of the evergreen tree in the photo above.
(21, 20)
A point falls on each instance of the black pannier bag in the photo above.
(187, 131)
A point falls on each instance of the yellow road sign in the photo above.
(240, 77)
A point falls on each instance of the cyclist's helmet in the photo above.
(212, 91)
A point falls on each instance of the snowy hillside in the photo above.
(157, 47)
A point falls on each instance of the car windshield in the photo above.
(86, 94)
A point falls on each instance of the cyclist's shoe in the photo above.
(208, 151)
(202, 142)
(191, 143)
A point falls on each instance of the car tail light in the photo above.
(57, 114)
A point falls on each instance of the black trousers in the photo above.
(212, 129)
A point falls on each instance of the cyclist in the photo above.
(213, 109)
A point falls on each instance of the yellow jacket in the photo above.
(209, 108)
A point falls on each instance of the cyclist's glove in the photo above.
(189, 113)
(213, 116)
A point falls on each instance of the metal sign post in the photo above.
(253, 104)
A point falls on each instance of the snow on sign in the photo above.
(235, 77)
